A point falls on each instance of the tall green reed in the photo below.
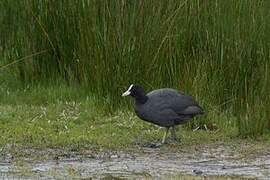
(216, 50)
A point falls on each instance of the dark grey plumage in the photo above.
(164, 107)
(167, 107)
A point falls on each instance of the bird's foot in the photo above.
(153, 145)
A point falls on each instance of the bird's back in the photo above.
(168, 107)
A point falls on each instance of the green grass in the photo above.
(215, 50)
(57, 118)
(82, 124)
(36, 119)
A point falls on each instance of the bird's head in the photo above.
(134, 91)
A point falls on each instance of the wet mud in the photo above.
(150, 163)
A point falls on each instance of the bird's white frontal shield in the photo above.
(128, 91)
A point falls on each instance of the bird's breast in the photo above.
(143, 112)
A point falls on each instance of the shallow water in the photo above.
(151, 163)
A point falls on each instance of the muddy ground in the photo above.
(234, 160)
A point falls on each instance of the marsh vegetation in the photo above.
(64, 65)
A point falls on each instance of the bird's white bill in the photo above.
(126, 93)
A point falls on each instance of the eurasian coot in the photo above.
(164, 107)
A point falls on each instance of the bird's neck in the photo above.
(141, 99)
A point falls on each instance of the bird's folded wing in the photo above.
(191, 110)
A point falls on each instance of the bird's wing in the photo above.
(180, 103)
(191, 110)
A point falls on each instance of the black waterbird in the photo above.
(164, 107)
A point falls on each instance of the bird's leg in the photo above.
(173, 133)
(165, 135)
